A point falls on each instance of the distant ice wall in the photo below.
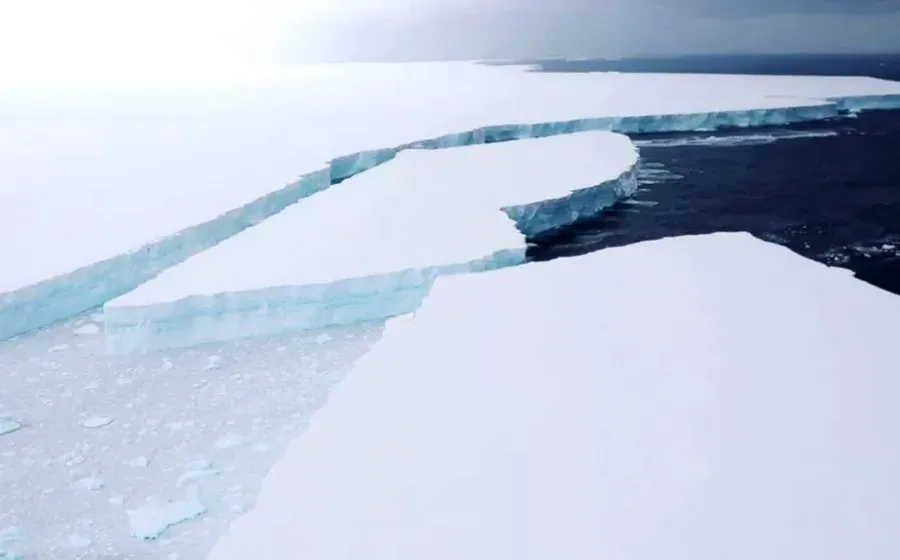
(60, 297)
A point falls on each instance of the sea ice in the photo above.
(9, 425)
(153, 518)
(197, 470)
(229, 440)
(8, 537)
(140, 461)
(369, 248)
(178, 170)
(87, 329)
(93, 422)
(88, 483)
(78, 541)
(690, 398)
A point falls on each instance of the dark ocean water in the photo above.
(829, 191)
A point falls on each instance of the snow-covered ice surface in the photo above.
(112, 188)
(691, 398)
(146, 457)
(370, 247)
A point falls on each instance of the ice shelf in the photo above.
(370, 248)
(102, 191)
(692, 398)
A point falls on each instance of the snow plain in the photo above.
(690, 398)
(369, 248)
(118, 181)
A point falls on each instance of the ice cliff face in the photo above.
(444, 216)
(56, 298)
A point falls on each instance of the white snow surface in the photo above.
(370, 247)
(422, 209)
(685, 399)
(113, 182)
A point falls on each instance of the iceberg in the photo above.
(107, 191)
(371, 247)
(690, 398)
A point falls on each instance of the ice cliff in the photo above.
(32, 306)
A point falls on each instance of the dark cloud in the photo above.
(725, 8)
(717, 8)
(531, 28)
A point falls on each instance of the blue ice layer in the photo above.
(202, 319)
(88, 287)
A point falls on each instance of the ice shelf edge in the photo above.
(63, 296)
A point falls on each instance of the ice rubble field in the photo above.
(691, 398)
(115, 449)
(158, 171)
(370, 247)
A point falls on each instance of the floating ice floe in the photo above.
(149, 521)
(99, 421)
(370, 247)
(9, 425)
(697, 397)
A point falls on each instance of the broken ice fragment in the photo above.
(152, 519)
(8, 426)
(323, 338)
(88, 483)
(139, 461)
(97, 421)
(7, 537)
(87, 329)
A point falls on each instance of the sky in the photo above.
(523, 28)
(71, 36)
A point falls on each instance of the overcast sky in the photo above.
(424, 29)
(60, 36)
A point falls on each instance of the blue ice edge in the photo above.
(212, 318)
(69, 294)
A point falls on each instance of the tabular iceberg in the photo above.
(371, 247)
(691, 398)
(175, 179)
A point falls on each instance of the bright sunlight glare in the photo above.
(71, 36)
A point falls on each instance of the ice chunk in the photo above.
(152, 519)
(94, 422)
(139, 461)
(9, 425)
(8, 537)
(691, 398)
(88, 483)
(374, 244)
(177, 178)
(87, 329)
